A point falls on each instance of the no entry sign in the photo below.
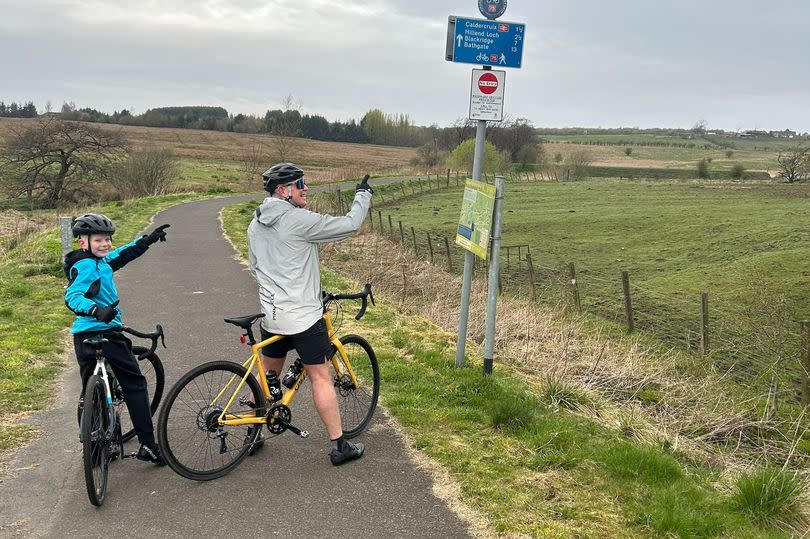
(486, 95)
(488, 83)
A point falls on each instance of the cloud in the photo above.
(585, 63)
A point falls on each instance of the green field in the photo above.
(747, 246)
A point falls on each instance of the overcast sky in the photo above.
(735, 64)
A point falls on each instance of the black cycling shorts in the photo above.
(311, 344)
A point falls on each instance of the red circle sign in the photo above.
(487, 83)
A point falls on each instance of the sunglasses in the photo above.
(299, 183)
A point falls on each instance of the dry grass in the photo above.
(636, 389)
(325, 161)
(16, 227)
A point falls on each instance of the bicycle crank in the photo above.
(278, 420)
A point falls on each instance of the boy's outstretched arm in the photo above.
(129, 252)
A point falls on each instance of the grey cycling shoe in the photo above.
(349, 452)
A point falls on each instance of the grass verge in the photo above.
(521, 455)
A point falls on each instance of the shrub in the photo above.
(558, 157)
(737, 171)
(461, 158)
(148, 172)
(703, 169)
(729, 153)
(771, 496)
(628, 150)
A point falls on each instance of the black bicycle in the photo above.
(104, 423)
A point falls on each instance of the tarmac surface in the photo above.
(287, 489)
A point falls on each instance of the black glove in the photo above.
(157, 234)
(104, 314)
(364, 186)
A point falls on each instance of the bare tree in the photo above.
(286, 128)
(252, 162)
(578, 163)
(55, 161)
(148, 172)
(794, 164)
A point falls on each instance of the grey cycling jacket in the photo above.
(283, 252)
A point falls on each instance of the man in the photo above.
(283, 241)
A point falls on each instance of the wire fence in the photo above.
(757, 343)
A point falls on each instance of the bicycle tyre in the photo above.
(187, 440)
(152, 368)
(95, 449)
(357, 405)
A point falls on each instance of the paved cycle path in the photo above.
(288, 489)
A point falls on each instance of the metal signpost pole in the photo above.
(492, 288)
(466, 283)
(66, 233)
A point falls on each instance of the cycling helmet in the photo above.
(92, 223)
(281, 174)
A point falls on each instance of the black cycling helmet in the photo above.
(92, 223)
(281, 174)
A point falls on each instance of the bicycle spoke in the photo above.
(196, 446)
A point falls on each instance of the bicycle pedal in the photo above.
(131, 455)
(304, 434)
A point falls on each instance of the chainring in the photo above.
(278, 411)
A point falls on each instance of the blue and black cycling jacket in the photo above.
(90, 283)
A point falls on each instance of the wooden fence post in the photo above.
(371, 220)
(457, 180)
(704, 323)
(805, 325)
(447, 249)
(430, 247)
(448, 177)
(390, 226)
(401, 233)
(404, 283)
(403, 189)
(628, 302)
(531, 275)
(572, 273)
(338, 201)
(415, 248)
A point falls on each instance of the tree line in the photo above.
(14, 110)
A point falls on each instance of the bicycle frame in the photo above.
(254, 361)
(101, 370)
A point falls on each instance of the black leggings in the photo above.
(118, 351)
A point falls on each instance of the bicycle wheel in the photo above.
(95, 448)
(152, 369)
(190, 439)
(357, 404)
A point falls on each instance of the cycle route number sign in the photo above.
(486, 95)
(475, 224)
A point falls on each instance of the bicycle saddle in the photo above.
(95, 342)
(244, 322)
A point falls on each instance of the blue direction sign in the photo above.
(485, 42)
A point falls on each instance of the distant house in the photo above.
(787, 133)
(745, 134)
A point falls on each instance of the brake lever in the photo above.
(162, 336)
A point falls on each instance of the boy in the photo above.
(92, 296)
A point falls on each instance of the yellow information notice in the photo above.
(476, 217)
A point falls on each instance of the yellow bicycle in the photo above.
(212, 417)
